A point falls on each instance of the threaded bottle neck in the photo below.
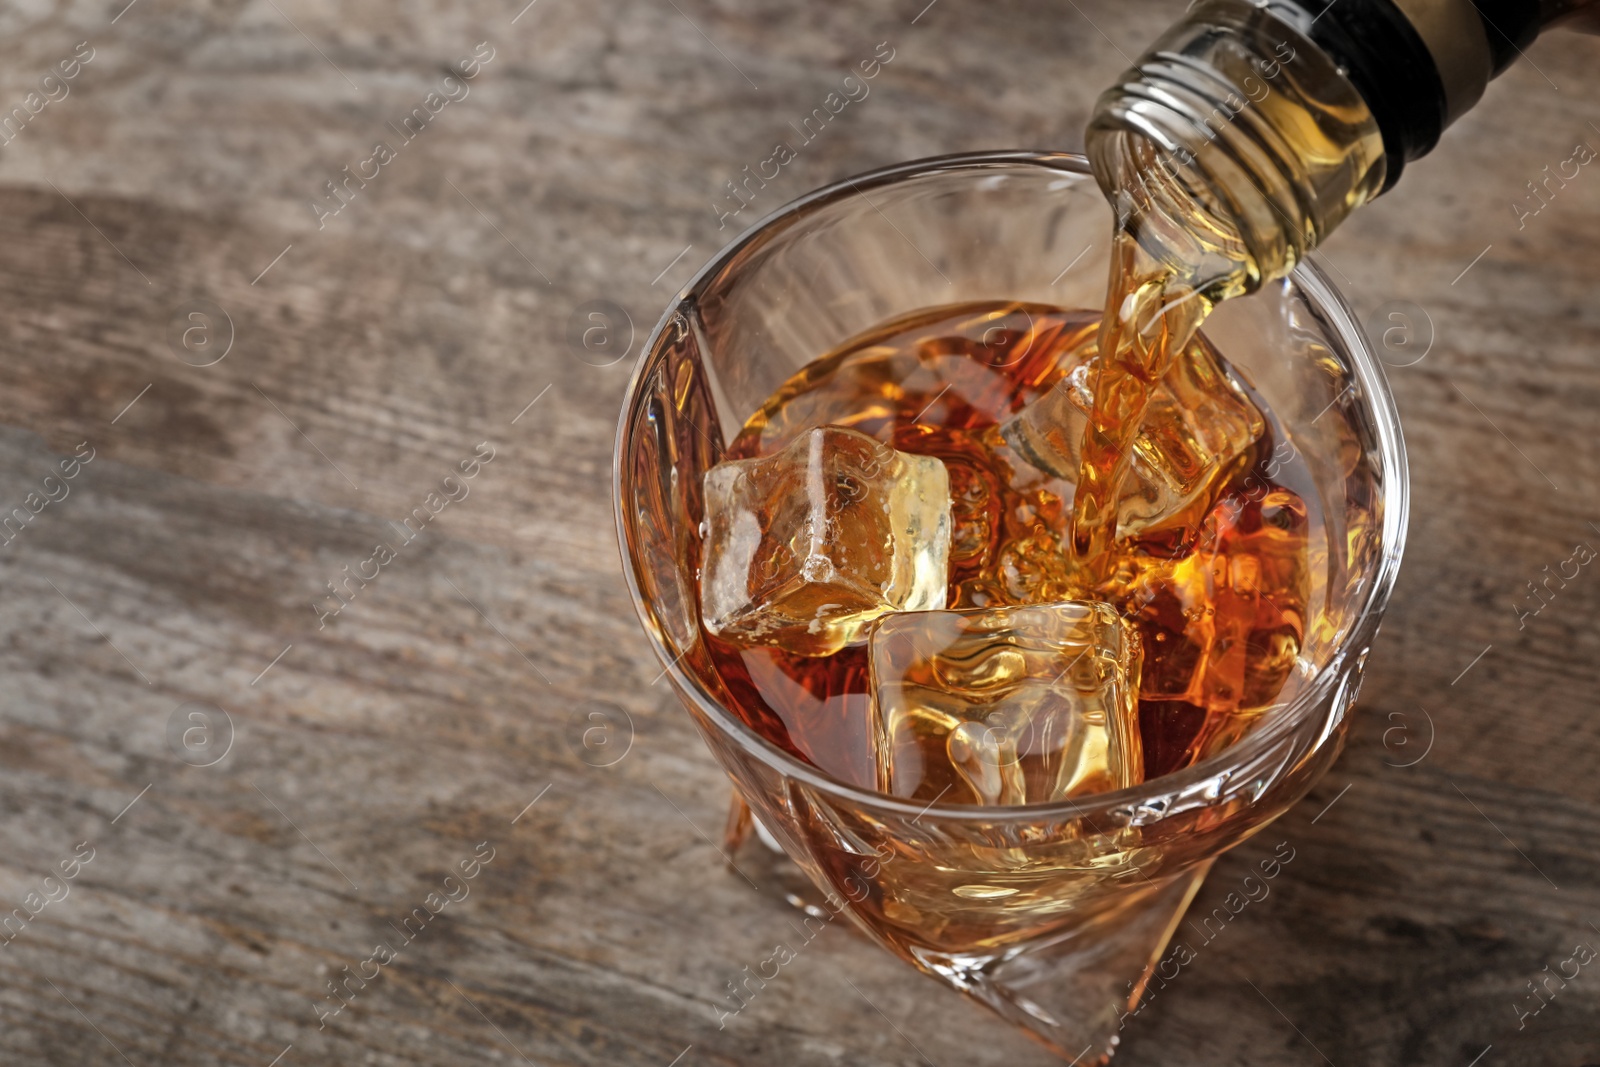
(1244, 137)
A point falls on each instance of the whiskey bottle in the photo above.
(1249, 131)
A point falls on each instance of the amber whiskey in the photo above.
(1207, 558)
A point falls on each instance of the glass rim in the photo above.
(1373, 384)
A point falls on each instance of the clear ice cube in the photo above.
(1230, 615)
(804, 548)
(1010, 705)
(1199, 421)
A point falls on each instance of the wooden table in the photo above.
(163, 208)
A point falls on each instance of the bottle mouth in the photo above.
(1179, 213)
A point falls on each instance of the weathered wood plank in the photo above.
(371, 755)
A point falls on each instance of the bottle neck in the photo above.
(1270, 121)
(1418, 64)
(1246, 134)
(1422, 64)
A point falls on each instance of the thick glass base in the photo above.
(1073, 993)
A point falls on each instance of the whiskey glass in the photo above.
(1053, 915)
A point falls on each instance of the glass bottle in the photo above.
(1250, 131)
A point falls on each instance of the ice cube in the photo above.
(1224, 624)
(1199, 422)
(1230, 615)
(1007, 519)
(1009, 705)
(805, 547)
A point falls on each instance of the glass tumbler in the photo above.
(1053, 915)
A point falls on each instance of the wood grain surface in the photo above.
(1451, 856)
